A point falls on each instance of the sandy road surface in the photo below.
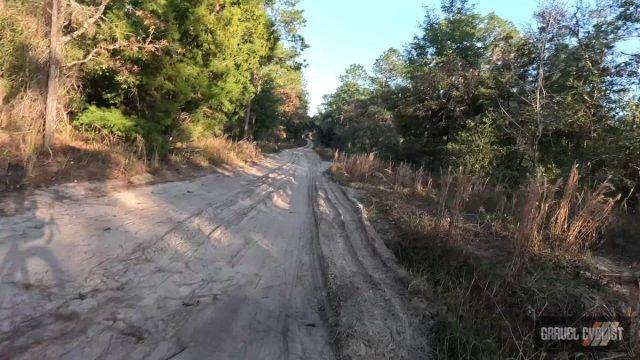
(272, 261)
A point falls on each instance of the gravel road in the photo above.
(269, 261)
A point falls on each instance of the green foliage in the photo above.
(204, 124)
(163, 70)
(472, 90)
(167, 71)
(476, 147)
(109, 121)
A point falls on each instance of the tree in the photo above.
(56, 60)
(55, 63)
(550, 20)
(390, 69)
(474, 90)
(288, 21)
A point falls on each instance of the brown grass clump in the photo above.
(466, 185)
(422, 182)
(402, 176)
(570, 219)
(23, 85)
(534, 209)
(591, 218)
(81, 157)
(223, 151)
(20, 133)
(359, 167)
(559, 217)
(367, 167)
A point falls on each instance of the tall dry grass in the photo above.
(366, 167)
(563, 216)
(359, 168)
(567, 218)
(20, 127)
(224, 151)
(402, 176)
(23, 80)
(474, 242)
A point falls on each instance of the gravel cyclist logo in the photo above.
(580, 334)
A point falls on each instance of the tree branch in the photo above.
(130, 44)
(88, 23)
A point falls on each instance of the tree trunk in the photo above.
(540, 90)
(247, 118)
(55, 63)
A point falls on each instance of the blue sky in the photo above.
(344, 32)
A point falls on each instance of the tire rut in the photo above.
(368, 295)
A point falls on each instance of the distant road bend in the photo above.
(272, 261)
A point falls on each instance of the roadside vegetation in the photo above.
(502, 164)
(496, 261)
(116, 88)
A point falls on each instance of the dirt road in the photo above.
(271, 261)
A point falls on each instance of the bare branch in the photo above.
(89, 57)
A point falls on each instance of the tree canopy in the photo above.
(473, 90)
(180, 70)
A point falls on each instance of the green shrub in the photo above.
(130, 128)
(110, 121)
(476, 147)
(205, 124)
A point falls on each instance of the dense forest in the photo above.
(473, 90)
(148, 74)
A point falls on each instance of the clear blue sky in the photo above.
(345, 32)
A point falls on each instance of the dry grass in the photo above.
(565, 218)
(495, 259)
(402, 176)
(568, 219)
(593, 215)
(357, 168)
(486, 312)
(80, 157)
(223, 151)
(452, 191)
(20, 125)
(422, 182)
(23, 90)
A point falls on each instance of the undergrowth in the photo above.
(496, 260)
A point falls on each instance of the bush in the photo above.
(203, 124)
(475, 148)
(113, 122)
(110, 121)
